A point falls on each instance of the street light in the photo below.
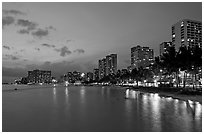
(160, 76)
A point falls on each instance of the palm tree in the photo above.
(184, 58)
(169, 63)
(196, 61)
(135, 75)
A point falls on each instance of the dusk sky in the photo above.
(64, 37)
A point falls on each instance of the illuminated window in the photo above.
(182, 24)
(173, 35)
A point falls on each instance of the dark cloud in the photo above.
(48, 45)
(6, 47)
(69, 41)
(23, 31)
(51, 28)
(7, 20)
(14, 12)
(63, 51)
(9, 56)
(28, 24)
(22, 50)
(40, 33)
(38, 49)
(79, 51)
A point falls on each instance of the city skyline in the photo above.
(80, 34)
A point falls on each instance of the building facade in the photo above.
(164, 47)
(39, 76)
(141, 57)
(89, 76)
(96, 74)
(187, 33)
(111, 64)
(107, 65)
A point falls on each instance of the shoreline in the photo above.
(174, 94)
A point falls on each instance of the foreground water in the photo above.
(95, 109)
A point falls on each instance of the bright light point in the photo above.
(82, 74)
(190, 101)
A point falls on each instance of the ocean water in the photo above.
(94, 109)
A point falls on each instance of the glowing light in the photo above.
(190, 102)
(156, 95)
(198, 111)
(54, 91)
(82, 74)
(66, 91)
(66, 83)
(169, 98)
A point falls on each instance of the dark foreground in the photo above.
(98, 109)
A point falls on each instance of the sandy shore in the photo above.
(167, 92)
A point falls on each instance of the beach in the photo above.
(169, 92)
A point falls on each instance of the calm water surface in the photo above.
(95, 109)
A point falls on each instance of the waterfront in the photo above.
(80, 108)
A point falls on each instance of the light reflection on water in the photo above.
(97, 109)
(154, 105)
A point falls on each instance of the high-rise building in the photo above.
(107, 65)
(141, 57)
(102, 68)
(111, 64)
(187, 33)
(39, 76)
(164, 46)
(96, 74)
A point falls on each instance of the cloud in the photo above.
(22, 50)
(28, 24)
(40, 33)
(69, 40)
(51, 28)
(48, 45)
(23, 31)
(9, 56)
(79, 51)
(38, 49)
(13, 12)
(6, 47)
(63, 51)
(7, 20)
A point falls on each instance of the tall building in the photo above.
(141, 57)
(96, 74)
(39, 76)
(164, 46)
(102, 68)
(111, 64)
(187, 33)
(107, 65)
